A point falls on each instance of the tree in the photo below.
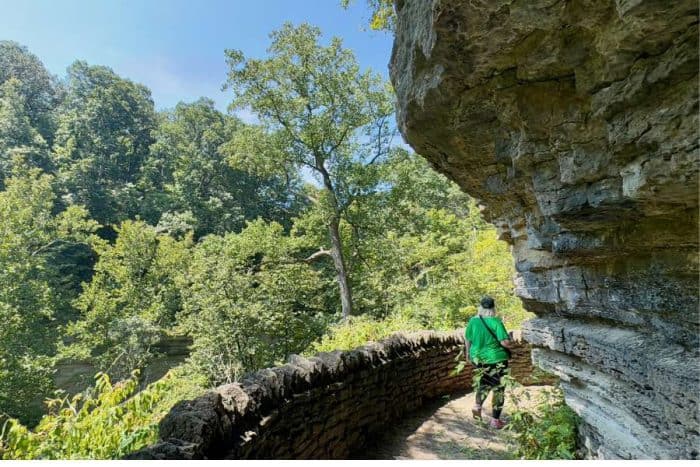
(17, 135)
(317, 112)
(131, 300)
(249, 302)
(423, 251)
(103, 138)
(189, 174)
(32, 290)
(37, 87)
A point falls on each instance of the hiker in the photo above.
(487, 347)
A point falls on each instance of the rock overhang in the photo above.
(575, 125)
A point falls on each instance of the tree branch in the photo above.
(52, 243)
(314, 257)
(380, 150)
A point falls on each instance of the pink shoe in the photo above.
(497, 423)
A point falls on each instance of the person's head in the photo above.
(487, 307)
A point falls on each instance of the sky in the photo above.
(176, 47)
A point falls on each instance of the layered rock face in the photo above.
(575, 124)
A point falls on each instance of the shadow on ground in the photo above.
(444, 429)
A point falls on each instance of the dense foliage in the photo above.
(359, 330)
(131, 299)
(106, 422)
(190, 184)
(250, 303)
(120, 225)
(35, 273)
(547, 432)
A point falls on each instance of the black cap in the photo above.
(487, 303)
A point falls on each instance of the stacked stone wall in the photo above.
(325, 407)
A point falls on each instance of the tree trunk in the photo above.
(336, 242)
(339, 262)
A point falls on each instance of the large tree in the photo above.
(318, 112)
(103, 138)
(188, 175)
(19, 140)
(38, 88)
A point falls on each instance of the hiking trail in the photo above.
(444, 429)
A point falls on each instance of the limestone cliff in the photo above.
(575, 124)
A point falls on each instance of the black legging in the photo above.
(488, 377)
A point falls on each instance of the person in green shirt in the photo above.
(487, 343)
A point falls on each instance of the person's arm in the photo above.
(467, 341)
(503, 335)
(507, 343)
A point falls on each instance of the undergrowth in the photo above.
(106, 422)
(359, 330)
(547, 430)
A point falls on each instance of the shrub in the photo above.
(358, 330)
(106, 422)
(547, 431)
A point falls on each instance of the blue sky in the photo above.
(176, 47)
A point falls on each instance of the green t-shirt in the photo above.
(484, 348)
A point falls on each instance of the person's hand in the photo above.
(515, 336)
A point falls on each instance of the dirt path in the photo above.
(445, 429)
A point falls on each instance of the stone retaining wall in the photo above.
(324, 407)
